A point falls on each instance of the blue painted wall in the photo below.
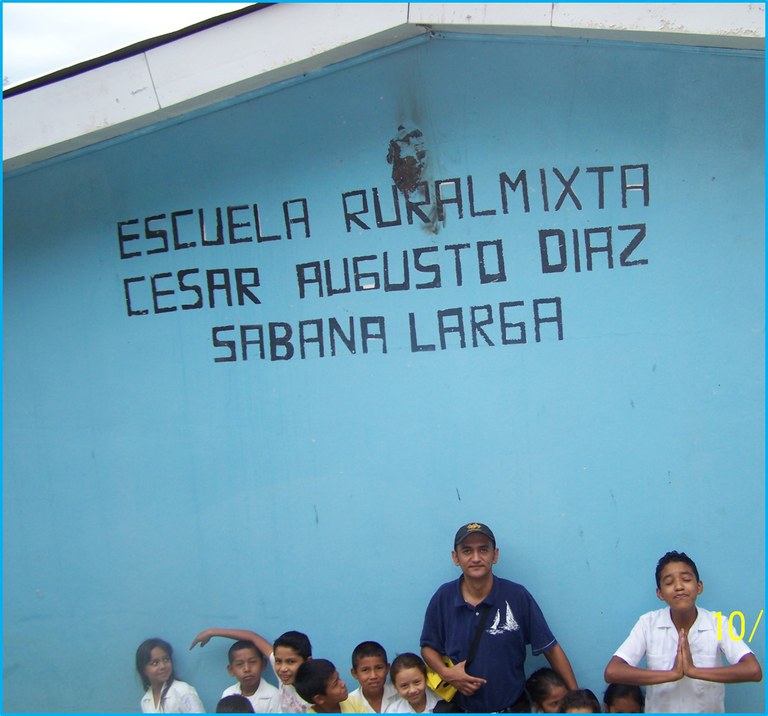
(152, 487)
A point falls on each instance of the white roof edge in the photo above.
(250, 52)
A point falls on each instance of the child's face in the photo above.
(579, 710)
(678, 586)
(335, 691)
(287, 663)
(410, 684)
(246, 666)
(624, 705)
(551, 702)
(159, 667)
(371, 672)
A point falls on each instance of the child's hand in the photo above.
(687, 658)
(678, 669)
(202, 638)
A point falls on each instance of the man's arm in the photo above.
(559, 663)
(237, 634)
(745, 669)
(454, 675)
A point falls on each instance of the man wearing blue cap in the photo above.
(490, 620)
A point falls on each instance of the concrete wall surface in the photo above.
(262, 363)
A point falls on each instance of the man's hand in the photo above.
(465, 683)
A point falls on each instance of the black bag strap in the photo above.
(478, 632)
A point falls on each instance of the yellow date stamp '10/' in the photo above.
(732, 633)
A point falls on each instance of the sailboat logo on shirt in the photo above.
(509, 622)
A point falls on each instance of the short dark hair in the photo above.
(407, 660)
(297, 641)
(623, 691)
(540, 682)
(242, 644)
(674, 557)
(580, 698)
(234, 704)
(312, 678)
(368, 648)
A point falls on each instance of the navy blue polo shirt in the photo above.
(513, 621)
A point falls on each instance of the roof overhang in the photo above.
(271, 44)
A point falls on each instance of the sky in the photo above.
(42, 37)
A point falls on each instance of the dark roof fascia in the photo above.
(131, 50)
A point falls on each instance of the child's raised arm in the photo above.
(238, 635)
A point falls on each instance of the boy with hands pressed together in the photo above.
(680, 643)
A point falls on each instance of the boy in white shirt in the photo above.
(684, 671)
(246, 664)
(370, 668)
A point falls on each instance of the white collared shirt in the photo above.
(655, 638)
(390, 696)
(290, 702)
(265, 700)
(401, 705)
(181, 698)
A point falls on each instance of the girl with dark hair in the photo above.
(624, 699)
(409, 675)
(580, 701)
(545, 688)
(165, 693)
